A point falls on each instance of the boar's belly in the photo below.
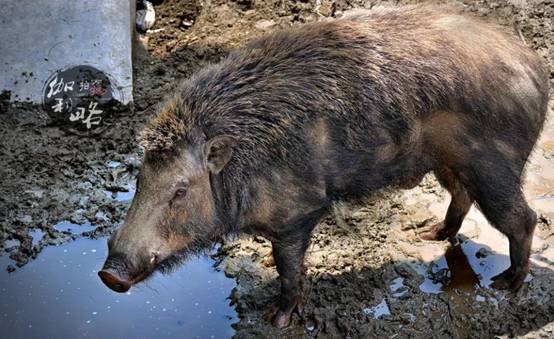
(358, 174)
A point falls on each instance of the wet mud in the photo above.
(369, 273)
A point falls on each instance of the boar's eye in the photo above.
(180, 193)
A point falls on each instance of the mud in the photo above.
(369, 274)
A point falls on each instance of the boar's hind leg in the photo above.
(459, 206)
(288, 253)
(497, 190)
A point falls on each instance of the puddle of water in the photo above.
(11, 243)
(37, 235)
(429, 285)
(398, 288)
(480, 269)
(465, 267)
(113, 164)
(59, 295)
(124, 196)
(121, 196)
(67, 226)
(378, 310)
(397, 284)
(483, 252)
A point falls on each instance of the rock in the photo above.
(187, 23)
(327, 8)
(482, 253)
(26, 219)
(145, 18)
(264, 24)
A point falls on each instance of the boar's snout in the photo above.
(119, 275)
(114, 281)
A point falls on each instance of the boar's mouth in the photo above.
(119, 275)
(172, 262)
(118, 278)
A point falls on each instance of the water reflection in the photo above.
(37, 235)
(377, 311)
(67, 226)
(59, 295)
(121, 195)
(465, 266)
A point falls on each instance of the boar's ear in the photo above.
(218, 151)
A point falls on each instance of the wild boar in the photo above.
(266, 140)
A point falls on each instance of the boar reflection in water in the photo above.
(266, 140)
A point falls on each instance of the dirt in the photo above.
(369, 274)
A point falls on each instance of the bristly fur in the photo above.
(336, 110)
(202, 244)
(165, 129)
(409, 68)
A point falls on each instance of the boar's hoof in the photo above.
(281, 317)
(437, 232)
(268, 260)
(509, 279)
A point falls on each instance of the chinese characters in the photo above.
(89, 117)
(56, 87)
(78, 96)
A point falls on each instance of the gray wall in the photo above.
(40, 37)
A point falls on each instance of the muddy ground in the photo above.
(369, 274)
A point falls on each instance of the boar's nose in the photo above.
(114, 281)
(115, 273)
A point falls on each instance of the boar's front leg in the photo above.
(289, 249)
(289, 259)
